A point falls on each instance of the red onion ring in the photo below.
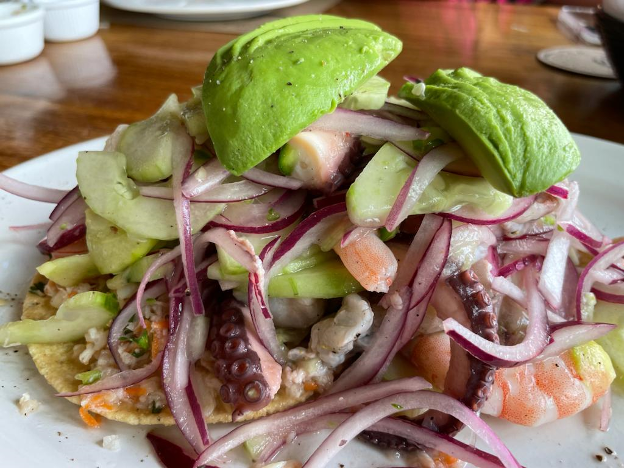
(204, 178)
(377, 411)
(283, 421)
(30, 227)
(358, 123)
(123, 379)
(157, 288)
(517, 265)
(600, 262)
(567, 335)
(170, 455)
(225, 193)
(68, 227)
(176, 380)
(613, 293)
(528, 246)
(558, 191)
(272, 180)
(420, 177)
(535, 340)
(31, 192)
(65, 202)
(255, 218)
(334, 198)
(471, 215)
(606, 412)
(404, 111)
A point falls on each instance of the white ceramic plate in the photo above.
(55, 437)
(203, 10)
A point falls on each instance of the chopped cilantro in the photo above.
(89, 377)
(397, 406)
(272, 215)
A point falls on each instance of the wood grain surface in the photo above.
(82, 90)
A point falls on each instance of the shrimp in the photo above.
(370, 261)
(532, 394)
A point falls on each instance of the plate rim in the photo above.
(262, 6)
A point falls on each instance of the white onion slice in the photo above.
(272, 180)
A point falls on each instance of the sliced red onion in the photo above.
(116, 331)
(68, 227)
(182, 160)
(225, 193)
(361, 124)
(334, 198)
(558, 191)
(177, 383)
(493, 259)
(284, 421)
(613, 293)
(65, 202)
(567, 335)
(263, 218)
(404, 111)
(311, 230)
(508, 288)
(239, 249)
(553, 270)
(272, 180)
(420, 177)
(528, 246)
(354, 234)
(535, 341)
(600, 262)
(204, 178)
(406, 310)
(156, 264)
(583, 237)
(377, 411)
(31, 192)
(123, 379)
(468, 214)
(170, 455)
(30, 227)
(606, 412)
(257, 298)
(517, 265)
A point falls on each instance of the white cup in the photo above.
(70, 20)
(21, 32)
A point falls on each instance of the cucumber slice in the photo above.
(71, 322)
(370, 96)
(149, 145)
(69, 271)
(370, 197)
(135, 272)
(111, 248)
(108, 191)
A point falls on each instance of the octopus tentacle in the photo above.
(237, 364)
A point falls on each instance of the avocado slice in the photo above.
(111, 248)
(109, 193)
(149, 145)
(266, 86)
(69, 271)
(72, 320)
(371, 196)
(517, 142)
(370, 96)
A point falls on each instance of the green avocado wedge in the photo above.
(109, 192)
(266, 86)
(517, 142)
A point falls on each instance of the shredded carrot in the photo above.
(98, 401)
(160, 325)
(158, 342)
(445, 459)
(71, 294)
(148, 325)
(90, 419)
(310, 386)
(136, 392)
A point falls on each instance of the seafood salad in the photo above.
(294, 250)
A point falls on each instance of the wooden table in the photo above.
(77, 91)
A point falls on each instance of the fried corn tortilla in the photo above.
(58, 364)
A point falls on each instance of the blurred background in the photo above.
(72, 70)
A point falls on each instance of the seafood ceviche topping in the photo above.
(297, 251)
